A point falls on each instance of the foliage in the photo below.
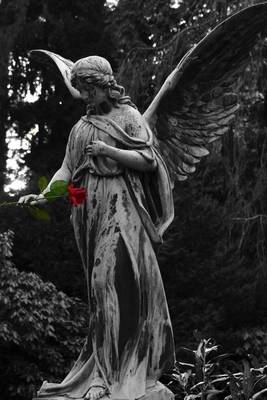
(54, 254)
(41, 329)
(73, 29)
(12, 17)
(58, 189)
(153, 36)
(211, 376)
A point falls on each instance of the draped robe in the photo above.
(130, 339)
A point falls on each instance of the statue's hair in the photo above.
(97, 70)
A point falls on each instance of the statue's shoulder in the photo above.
(130, 111)
(79, 123)
(75, 129)
(125, 115)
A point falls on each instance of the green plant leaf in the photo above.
(213, 393)
(59, 188)
(261, 379)
(221, 357)
(193, 396)
(234, 387)
(39, 213)
(258, 395)
(247, 380)
(219, 378)
(50, 196)
(210, 349)
(186, 365)
(197, 385)
(42, 183)
(186, 349)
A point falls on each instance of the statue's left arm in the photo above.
(129, 158)
(135, 126)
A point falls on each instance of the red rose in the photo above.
(76, 195)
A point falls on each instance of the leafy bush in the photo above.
(210, 376)
(41, 329)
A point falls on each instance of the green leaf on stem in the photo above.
(234, 387)
(50, 196)
(39, 213)
(42, 183)
(59, 188)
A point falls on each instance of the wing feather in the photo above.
(64, 65)
(197, 103)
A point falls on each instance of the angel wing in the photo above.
(65, 66)
(196, 103)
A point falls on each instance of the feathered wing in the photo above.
(196, 103)
(64, 65)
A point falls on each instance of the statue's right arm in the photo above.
(63, 173)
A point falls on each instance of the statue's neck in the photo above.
(103, 108)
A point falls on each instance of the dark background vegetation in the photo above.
(214, 265)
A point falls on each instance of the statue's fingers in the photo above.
(22, 200)
(27, 199)
(30, 197)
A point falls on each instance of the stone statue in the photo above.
(112, 152)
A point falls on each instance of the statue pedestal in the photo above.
(157, 392)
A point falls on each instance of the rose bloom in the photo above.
(76, 195)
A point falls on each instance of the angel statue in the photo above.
(128, 175)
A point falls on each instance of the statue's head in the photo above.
(94, 73)
(93, 70)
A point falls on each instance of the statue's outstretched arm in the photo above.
(62, 174)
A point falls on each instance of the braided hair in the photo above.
(97, 71)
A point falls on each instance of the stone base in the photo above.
(157, 392)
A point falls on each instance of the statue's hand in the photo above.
(32, 199)
(97, 148)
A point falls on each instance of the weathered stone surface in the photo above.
(128, 207)
(157, 392)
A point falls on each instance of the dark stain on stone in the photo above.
(102, 233)
(113, 202)
(124, 199)
(108, 230)
(94, 202)
(97, 262)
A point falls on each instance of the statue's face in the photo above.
(91, 93)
